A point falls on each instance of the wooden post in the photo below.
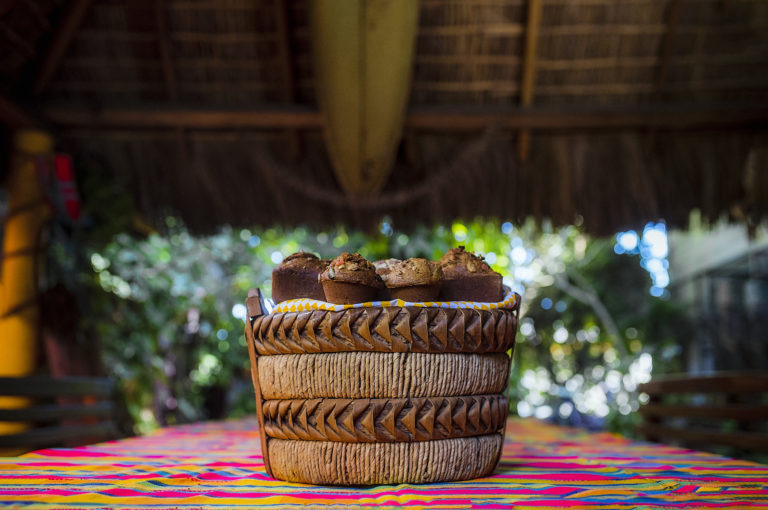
(28, 212)
(529, 70)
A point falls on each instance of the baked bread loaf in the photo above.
(469, 278)
(350, 278)
(413, 279)
(296, 277)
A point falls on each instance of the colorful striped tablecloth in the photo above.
(218, 465)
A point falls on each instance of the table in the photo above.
(219, 465)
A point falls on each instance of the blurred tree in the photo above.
(167, 309)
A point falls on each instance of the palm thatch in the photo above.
(645, 63)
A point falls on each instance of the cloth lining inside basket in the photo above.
(304, 304)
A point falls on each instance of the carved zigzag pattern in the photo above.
(384, 420)
(393, 329)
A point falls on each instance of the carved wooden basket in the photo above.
(380, 395)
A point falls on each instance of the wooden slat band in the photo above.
(733, 412)
(39, 386)
(49, 436)
(395, 329)
(58, 412)
(381, 375)
(385, 420)
(747, 440)
(335, 463)
(723, 382)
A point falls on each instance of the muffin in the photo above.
(414, 280)
(350, 278)
(296, 277)
(469, 278)
(383, 267)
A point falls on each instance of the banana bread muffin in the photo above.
(296, 277)
(383, 267)
(350, 278)
(469, 278)
(415, 280)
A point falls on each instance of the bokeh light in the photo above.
(653, 248)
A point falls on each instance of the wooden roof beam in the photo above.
(436, 119)
(661, 116)
(71, 21)
(15, 116)
(528, 79)
(287, 117)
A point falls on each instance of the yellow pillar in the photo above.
(28, 212)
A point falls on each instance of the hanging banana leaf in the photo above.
(363, 57)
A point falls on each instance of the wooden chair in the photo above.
(66, 411)
(725, 409)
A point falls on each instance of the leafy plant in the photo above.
(168, 311)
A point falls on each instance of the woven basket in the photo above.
(380, 395)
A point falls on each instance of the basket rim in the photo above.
(386, 329)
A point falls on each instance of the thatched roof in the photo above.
(640, 109)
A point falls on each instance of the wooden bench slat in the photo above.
(723, 382)
(48, 436)
(745, 440)
(38, 386)
(58, 412)
(733, 412)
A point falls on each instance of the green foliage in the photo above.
(590, 337)
(168, 312)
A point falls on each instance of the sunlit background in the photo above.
(597, 318)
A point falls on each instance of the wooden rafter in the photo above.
(661, 116)
(438, 119)
(37, 13)
(285, 117)
(667, 44)
(19, 42)
(71, 21)
(14, 116)
(282, 22)
(164, 46)
(171, 84)
(285, 56)
(528, 79)
(6, 6)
